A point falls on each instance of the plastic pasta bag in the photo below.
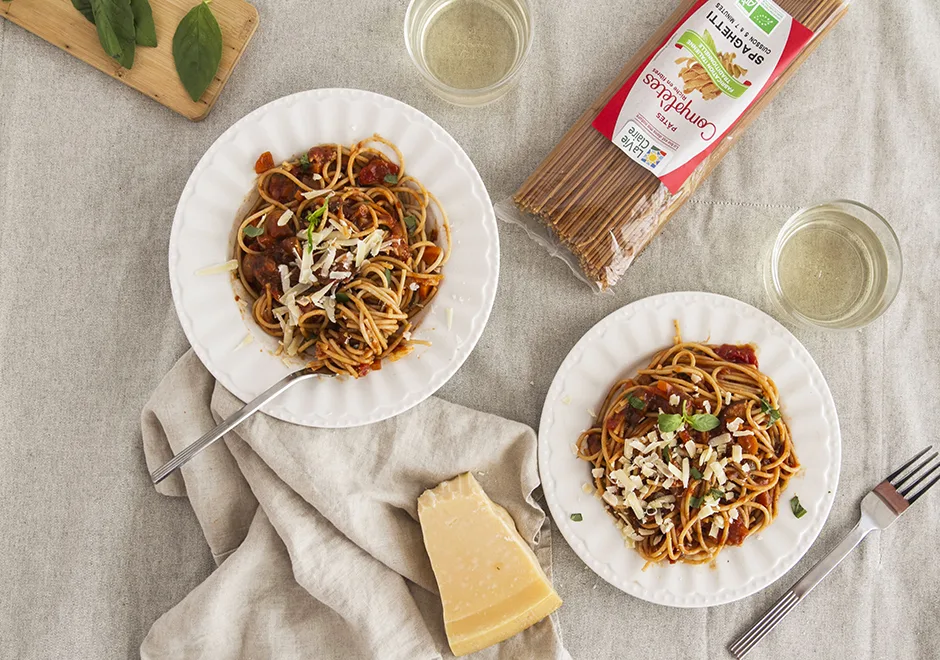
(646, 143)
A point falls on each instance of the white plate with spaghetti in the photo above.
(332, 260)
(699, 458)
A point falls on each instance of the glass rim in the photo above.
(474, 91)
(784, 234)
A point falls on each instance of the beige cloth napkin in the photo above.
(315, 531)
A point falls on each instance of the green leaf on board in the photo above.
(197, 49)
(84, 6)
(145, 32)
(114, 20)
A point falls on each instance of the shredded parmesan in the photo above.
(695, 378)
(718, 471)
(310, 194)
(735, 424)
(227, 267)
(685, 473)
(588, 489)
(285, 277)
(449, 314)
(737, 453)
(285, 217)
(720, 440)
(741, 434)
(597, 473)
(674, 400)
(245, 341)
(727, 398)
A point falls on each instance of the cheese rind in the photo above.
(490, 581)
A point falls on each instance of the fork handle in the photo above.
(743, 645)
(229, 423)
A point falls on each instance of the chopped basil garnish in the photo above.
(703, 422)
(796, 507)
(304, 162)
(695, 473)
(717, 494)
(314, 219)
(411, 222)
(391, 178)
(253, 231)
(577, 517)
(636, 402)
(669, 423)
(695, 502)
(388, 276)
(766, 408)
(667, 455)
(342, 297)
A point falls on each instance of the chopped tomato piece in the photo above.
(424, 290)
(748, 444)
(739, 354)
(614, 421)
(375, 171)
(431, 253)
(737, 532)
(664, 387)
(763, 499)
(264, 163)
(377, 365)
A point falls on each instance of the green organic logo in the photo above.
(748, 5)
(764, 20)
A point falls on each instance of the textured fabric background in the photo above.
(90, 171)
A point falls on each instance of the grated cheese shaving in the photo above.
(227, 267)
(285, 218)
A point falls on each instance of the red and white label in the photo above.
(678, 106)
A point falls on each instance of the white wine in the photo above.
(832, 269)
(470, 44)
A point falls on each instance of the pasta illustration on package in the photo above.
(651, 138)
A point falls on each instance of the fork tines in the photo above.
(928, 468)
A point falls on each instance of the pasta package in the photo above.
(649, 140)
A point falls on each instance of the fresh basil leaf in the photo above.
(766, 408)
(636, 402)
(667, 455)
(703, 422)
(342, 297)
(145, 32)
(197, 49)
(696, 502)
(314, 219)
(577, 517)
(253, 231)
(796, 507)
(669, 423)
(717, 494)
(84, 6)
(695, 473)
(411, 222)
(304, 162)
(391, 178)
(114, 20)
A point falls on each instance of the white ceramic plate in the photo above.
(203, 231)
(617, 347)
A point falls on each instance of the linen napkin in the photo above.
(315, 531)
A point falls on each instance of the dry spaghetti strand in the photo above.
(686, 494)
(604, 207)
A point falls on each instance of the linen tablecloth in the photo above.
(90, 172)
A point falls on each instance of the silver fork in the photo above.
(234, 420)
(880, 508)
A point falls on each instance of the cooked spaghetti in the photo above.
(692, 454)
(339, 254)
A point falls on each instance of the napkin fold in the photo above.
(315, 531)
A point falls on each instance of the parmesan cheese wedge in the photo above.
(490, 581)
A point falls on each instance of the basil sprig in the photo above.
(635, 402)
(699, 422)
(197, 49)
(767, 409)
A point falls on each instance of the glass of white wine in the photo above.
(837, 265)
(470, 52)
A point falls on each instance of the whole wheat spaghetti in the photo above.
(603, 206)
(339, 254)
(691, 455)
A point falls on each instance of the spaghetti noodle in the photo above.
(603, 207)
(339, 254)
(691, 455)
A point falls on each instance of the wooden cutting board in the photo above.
(154, 73)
